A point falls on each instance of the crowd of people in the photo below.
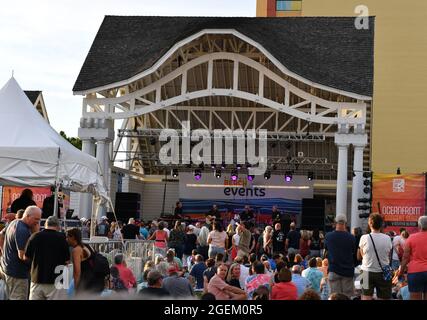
(212, 259)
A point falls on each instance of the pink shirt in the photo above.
(160, 241)
(218, 238)
(284, 291)
(417, 242)
(216, 286)
(126, 275)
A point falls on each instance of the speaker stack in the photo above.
(128, 205)
(313, 214)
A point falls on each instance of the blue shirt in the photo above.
(16, 238)
(301, 283)
(341, 246)
(143, 232)
(314, 276)
(197, 272)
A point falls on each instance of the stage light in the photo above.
(267, 175)
(251, 177)
(197, 174)
(175, 173)
(218, 173)
(288, 176)
(213, 166)
(310, 175)
(234, 175)
(239, 166)
(223, 165)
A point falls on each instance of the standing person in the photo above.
(143, 231)
(46, 250)
(131, 230)
(278, 239)
(315, 244)
(217, 240)
(85, 228)
(415, 261)
(276, 216)
(292, 239)
(197, 271)
(161, 238)
(304, 244)
(268, 241)
(245, 237)
(189, 245)
(247, 215)
(13, 262)
(357, 233)
(25, 200)
(214, 212)
(103, 227)
(375, 250)
(177, 239)
(84, 278)
(340, 246)
(398, 248)
(202, 241)
(178, 213)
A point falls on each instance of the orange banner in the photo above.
(400, 199)
(10, 194)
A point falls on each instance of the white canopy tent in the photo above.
(32, 153)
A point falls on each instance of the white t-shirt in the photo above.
(236, 239)
(167, 231)
(397, 240)
(244, 273)
(383, 245)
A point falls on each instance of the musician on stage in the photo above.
(214, 212)
(248, 215)
(276, 216)
(178, 211)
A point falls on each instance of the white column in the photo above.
(341, 199)
(85, 202)
(356, 191)
(102, 156)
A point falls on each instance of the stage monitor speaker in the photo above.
(128, 205)
(313, 214)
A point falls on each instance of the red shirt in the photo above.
(126, 275)
(284, 291)
(417, 242)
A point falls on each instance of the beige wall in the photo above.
(261, 8)
(400, 91)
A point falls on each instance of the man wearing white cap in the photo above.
(340, 245)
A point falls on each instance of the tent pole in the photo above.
(55, 203)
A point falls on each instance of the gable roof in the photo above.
(326, 50)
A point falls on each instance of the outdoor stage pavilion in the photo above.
(307, 80)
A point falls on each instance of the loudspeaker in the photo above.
(128, 205)
(313, 214)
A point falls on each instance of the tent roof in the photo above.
(29, 148)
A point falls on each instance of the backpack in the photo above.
(98, 263)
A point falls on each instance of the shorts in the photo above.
(417, 282)
(376, 281)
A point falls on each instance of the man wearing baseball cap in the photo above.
(340, 245)
(177, 285)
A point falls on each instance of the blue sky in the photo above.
(45, 42)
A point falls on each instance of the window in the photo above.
(288, 5)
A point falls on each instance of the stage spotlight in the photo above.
(213, 166)
(234, 175)
(251, 177)
(197, 174)
(239, 166)
(310, 175)
(175, 173)
(153, 141)
(248, 165)
(218, 173)
(223, 165)
(267, 175)
(288, 176)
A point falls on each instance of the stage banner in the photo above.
(400, 199)
(10, 194)
(261, 194)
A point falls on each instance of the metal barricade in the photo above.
(107, 248)
(138, 252)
